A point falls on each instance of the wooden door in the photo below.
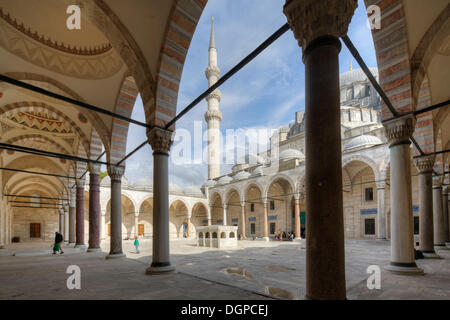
(140, 229)
(35, 230)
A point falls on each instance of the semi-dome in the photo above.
(362, 141)
(224, 180)
(209, 183)
(175, 188)
(241, 175)
(143, 183)
(291, 154)
(257, 172)
(192, 190)
(355, 75)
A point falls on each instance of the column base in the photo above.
(431, 255)
(440, 247)
(152, 270)
(115, 256)
(265, 238)
(447, 244)
(382, 239)
(297, 239)
(94, 250)
(404, 268)
(80, 246)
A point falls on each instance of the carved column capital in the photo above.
(437, 182)
(312, 19)
(400, 130)
(381, 185)
(424, 164)
(80, 183)
(161, 140)
(94, 168)
(115, 173)
(445, 190)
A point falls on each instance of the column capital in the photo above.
(425, 164)
(161, 140)
(242, 203)
(437, 182)
(381, 185)
(116, 173)
(94, 168)
(312, 19)
(80, 183)
(400, 130)
(445, 190)
(225, 206)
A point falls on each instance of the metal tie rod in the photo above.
(230, 73)
(81, 104)
(33, 197)
(34, 172)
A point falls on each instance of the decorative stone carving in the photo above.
(437, 182)
(81, 183)
(161, 140)
(212, 71)
(381, 185)
(311, 19)
(94, 168)
(399, 130)
(115, 173)
(216, 94)
(424, 164)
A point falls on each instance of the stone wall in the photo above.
(23, 217)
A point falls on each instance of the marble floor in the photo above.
(254, 270)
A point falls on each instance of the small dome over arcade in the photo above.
(361, 142)
(224, 180)
(241, 176)
(143, 183)
(291, 154)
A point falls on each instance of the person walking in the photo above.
(58, 241)
(136, 244)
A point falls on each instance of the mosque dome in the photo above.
(257, 172)
(291, 154)
(209, 183)
(143, 183)
(192, 190)
(175, 188)
(225, 180)
(241, 175)
(251, 159)
(355, 75)
(362, 141)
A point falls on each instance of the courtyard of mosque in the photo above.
(253, 270)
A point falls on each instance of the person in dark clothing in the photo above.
(58, 241)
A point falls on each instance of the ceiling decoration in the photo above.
(83, 63)
(40, 121)
(84, 51)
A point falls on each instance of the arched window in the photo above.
(231, 234)
(207, 235)
(223, 235)
(214, 235)
(200, 235)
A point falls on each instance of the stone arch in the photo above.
(216, 206)
(180, 29)
(178, 213)
(365, 159)
(229, 193)
(26, 106)
(146, 215)
(279, 176)
(92, 116)
(59, 146)
(200, 212)
(249, 185)
(125, 101)
(128, 213)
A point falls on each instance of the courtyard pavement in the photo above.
(254, 270)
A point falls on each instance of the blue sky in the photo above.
(265, 94)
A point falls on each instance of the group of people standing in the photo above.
(283, 236)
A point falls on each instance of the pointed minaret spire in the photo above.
(212, 38)
(350, 64)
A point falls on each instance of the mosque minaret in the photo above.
(213, 116)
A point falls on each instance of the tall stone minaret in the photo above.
(213, 116)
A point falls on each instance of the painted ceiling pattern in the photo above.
(41, 53)
(40, 121)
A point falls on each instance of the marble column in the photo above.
(80, 215)
(136, 225)
(243, 226)
(438, 215)
(426, 243)
(297, 222)
(225, 214)
(317, 26)
(161, 141)
(72, 215)
(103, 225)
(188, 227)
(66, 223)
(398, 132)
(265, 221)
(61, 220)
(94, 208)
(115, 174)
(381, 211)
(445, 204)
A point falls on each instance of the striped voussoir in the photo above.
(181, 26)
(96, 145)
(124, 106)
(424, 126)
